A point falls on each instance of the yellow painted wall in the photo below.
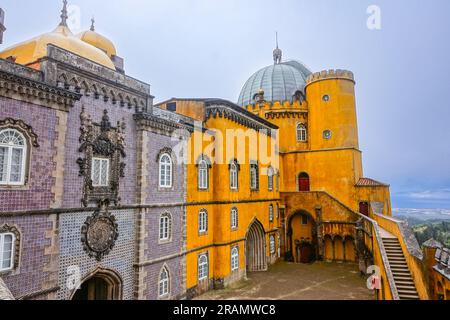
(219, 200)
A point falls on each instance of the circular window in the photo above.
(326, 98)
(327, 134)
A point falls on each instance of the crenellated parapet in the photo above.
(330, 74)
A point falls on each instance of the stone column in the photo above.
(320, 239)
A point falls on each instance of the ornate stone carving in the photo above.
(22, 126)
(99, 234)
(6, 228)
(104, 141)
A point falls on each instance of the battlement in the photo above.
(330, 74)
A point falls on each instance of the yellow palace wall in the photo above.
(219, 200)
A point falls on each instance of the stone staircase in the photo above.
(402, 276)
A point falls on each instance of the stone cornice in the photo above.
(29, 90)
(287, 114)
(84, 65)
(148, 122)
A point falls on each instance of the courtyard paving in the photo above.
(288, 281)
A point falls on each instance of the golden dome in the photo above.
(31, 51)
(97, 40)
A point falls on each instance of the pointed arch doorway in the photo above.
(256, 248)
(102, 285)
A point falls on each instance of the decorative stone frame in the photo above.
(173, 158)
(305, 126)
(234, 228)
(203, 233)
(166, 296)
(6, 228)
(104, 141)
(114, 280)
(238, 168)
(99, 247)
(170, 239)
(255, 164)
(31, 140)
(209, 167)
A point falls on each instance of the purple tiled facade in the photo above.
(48, 211)
(30, 275)
(37, 194)
(73, 183)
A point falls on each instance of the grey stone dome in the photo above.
(279, 82)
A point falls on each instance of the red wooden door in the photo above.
(306, 251)
(364, 208)
(303, 183)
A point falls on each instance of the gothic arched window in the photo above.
(203, 176)
(203, 221)
(235, 259)
(164, 283)
(234, 218)
(234, 176)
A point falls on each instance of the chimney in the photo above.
(2, 24)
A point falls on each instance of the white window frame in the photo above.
(165, 227)
(271, 213)
(272, 245)
(235, 259)
(203, 267)
(9, 150)
(254, 172)
(302, 133)
(203, 221)
(167, 180)
(234, 218)
(13, 242)
(102, 163)
(164, 284)
(270, 178)
(203, 175)
(234, 177)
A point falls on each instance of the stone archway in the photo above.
(100, 285)
(302, 238)
(256, 248)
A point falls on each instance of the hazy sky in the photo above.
(209, 48)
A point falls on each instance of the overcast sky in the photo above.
(209, 48)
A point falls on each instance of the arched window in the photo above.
(164, 283)
(203, 221)
(234, 218)
(235, 259)
(165, 171)
(304, 182)
(165, 227)
(13, 154)
(270, 174)
(203, 267)
(271, 213)
(203, 176)
(302, 133)
(272, 245)
(7, 241)
(254, 177)
(234, 178)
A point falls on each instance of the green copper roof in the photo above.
(279, 82)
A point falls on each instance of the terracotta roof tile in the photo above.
(366, 182)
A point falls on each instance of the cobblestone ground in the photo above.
(287, 281)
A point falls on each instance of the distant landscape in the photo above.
(427, 223)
